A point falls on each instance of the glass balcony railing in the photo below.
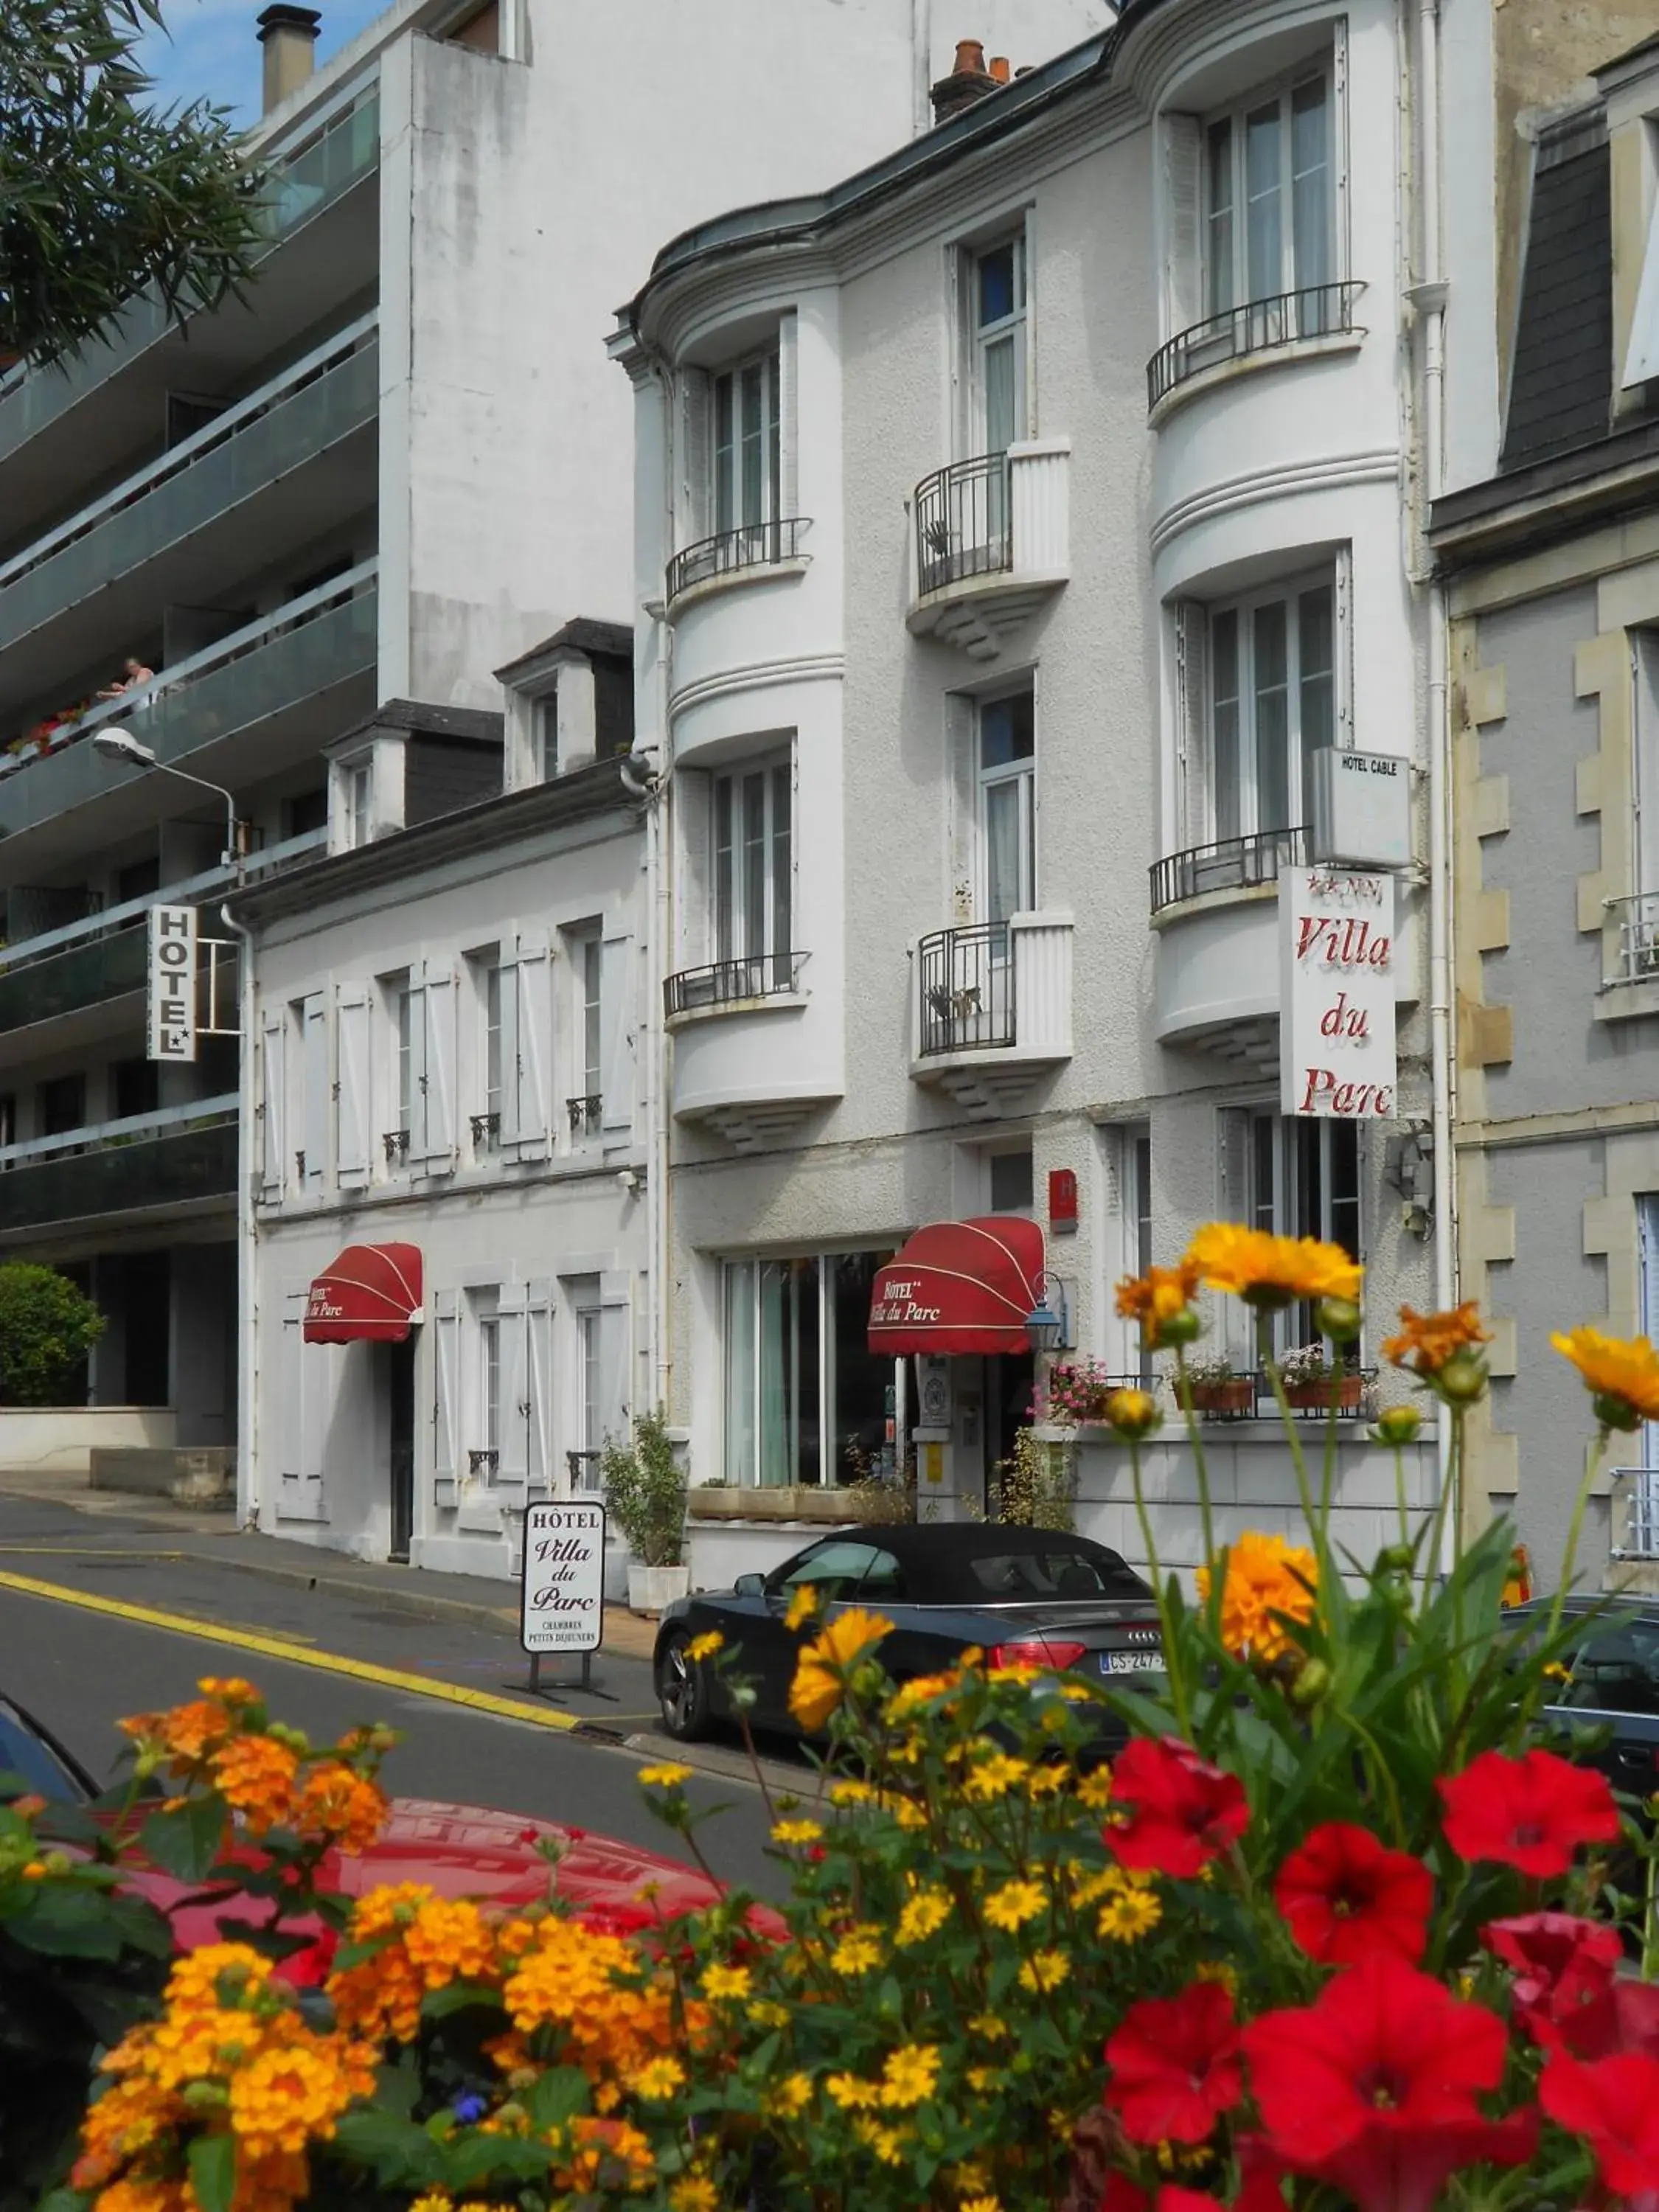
(168, 1160)
(299, 416)
(307, 646)
(343, 152)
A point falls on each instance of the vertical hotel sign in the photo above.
(1337, 1026)
(173, 982)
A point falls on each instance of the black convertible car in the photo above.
(1613, 1682)
(1018, 1594)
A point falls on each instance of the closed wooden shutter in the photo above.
(513, 1320)
(439, 1071)
(273, 1159)
(314, 1050)
(1184, 223)
(540, 1470)
(351, 1082)
(618, 1019)
(300, 1489)
(533, 1066)
(788, 416)
(446, 1394)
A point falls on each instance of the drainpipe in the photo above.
(247, 1395)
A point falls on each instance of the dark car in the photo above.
(1017, 1594)
(1613, 1680)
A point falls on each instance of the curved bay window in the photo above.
(1273, 705)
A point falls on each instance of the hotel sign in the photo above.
(1337, 1018)
(173, 982)
(562, 1597)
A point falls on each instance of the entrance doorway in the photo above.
(398, 1368)
(1010, 1379)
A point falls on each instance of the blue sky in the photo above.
(212, 50)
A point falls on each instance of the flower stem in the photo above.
(1178, 1696)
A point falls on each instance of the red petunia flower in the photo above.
(1172, 2197)
(1373, 2088)
(1260, 2177)
(1613, 2104)
(1174, 2065)
(1122, 2195)
(1182, 1812)
(1344, 1895)
(1563, 1991)
(1531, 1813)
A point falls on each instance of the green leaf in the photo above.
(479, 2159)
(457, 1997)
(212, 2171)
(185, 1844)
(557, 2096)
(65, 1921)
(400, 2155)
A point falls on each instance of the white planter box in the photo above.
(651, 1588)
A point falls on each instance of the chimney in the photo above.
(999, 68)
(969, 80)
(288, 35)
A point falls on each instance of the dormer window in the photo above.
(354, 808)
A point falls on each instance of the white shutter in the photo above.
(1341, 262)
(1033, 428)
(694, 495)
(1194, 805)
(533, 1068)
(445, 1393)
(314, 1054)
(617, 1022)
(615, 1396)
(788, 416)
(508, 970)
(513, 1320)
(299, 1492)
(273, 1082)
(351, 1095)
(539, 1388)
(439, 1072)
(1183, 251)
(1342, 644)
(956, 264)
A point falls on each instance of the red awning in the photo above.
(959, 1287)
(371, 1294)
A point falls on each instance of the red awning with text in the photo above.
(370, 1294)
(959, 1287)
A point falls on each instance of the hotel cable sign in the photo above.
(1337, 1025)
(173, 982)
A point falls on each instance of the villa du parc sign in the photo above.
(1337, 1023)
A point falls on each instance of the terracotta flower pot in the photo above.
(1223, 1401)
(1346, 1389)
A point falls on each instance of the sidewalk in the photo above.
(215, 1538)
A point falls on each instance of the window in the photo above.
(1304, 1181)
(1006, 766)
(61, 1105)
(134, 1088)
(1273, 705)
(1135, 1188)
(356, 800)
(836, 1568)
(996, 286)
(1012, 1183)
(489, 1427)
(588, 1011)
(410, 1049)
(1269, 201)
(491, 996)
(545, 736)
(754, 872)
(601, 1378)
(806, 1400)
(421, 1022)
(748, 444)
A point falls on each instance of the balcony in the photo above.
(991, 1010)
(1215, 911)
(1235, 863)
(76, 976)
(183, 1158)
(281, 464)
(264, 698)
(322, 194)
(754, 1053)
(993, 542)
(1634, 1512)
(746, 554)
(725, 986)
(1322, 312)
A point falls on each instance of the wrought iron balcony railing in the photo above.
(729, 982)
(583, 1468)
(964, 525)
(1234, 864)
(1637, 954)
(751, 545)
(1635, 1513)
(584, 1113)
(1320, 311)
(966, 981)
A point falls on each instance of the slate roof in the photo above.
(1561, 387)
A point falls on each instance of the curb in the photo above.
(727, 1765)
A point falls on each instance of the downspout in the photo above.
(248, 1358)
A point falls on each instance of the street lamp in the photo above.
(1045, 1326)
(119, 744)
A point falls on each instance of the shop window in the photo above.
(805, 1399)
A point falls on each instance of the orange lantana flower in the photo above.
(1427, 1341)
(1621, 1373)
(1157, 1296)
(1270, 1271)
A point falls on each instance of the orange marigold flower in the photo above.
(822, 1671)
(1621, 1373)
(255, 1777)
(1157, 1296)
(1427, 1341)
(1268, 1271)
(1266, 1576)
(334, 1802)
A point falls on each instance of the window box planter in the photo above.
(1225, 1401)
(1347, 1390)
(801, 1502)
(721, 1502)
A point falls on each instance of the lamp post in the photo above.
(121, 745)
(1045, 1330)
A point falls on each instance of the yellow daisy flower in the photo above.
(796, 1831)
(669, 1775)
(1014, 1904)
(910, 2075)
(1044, 1970)
(706, 1645)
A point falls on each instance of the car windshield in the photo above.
(24, 1754)
(1057, 1570)
(1616, 1669)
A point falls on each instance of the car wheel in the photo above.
(682, 1696)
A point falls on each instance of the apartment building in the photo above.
(1026, 522)
(340, 505)
(1549, 551)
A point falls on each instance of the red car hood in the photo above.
(460, 1851)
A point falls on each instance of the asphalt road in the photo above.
(79, 1671)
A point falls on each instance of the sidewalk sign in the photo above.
(562, 1596)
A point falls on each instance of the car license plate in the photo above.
(1132, 1662)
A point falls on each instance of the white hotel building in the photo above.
(1019, 521)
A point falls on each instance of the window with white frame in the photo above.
(1269, 194)
(409, 1015)
(601, 1347)
(585, 966)
(1302, 1178)
(487, 1426)
(805, 1399)
(747, 447)
(1005, 785)
(1273, 662)
(357, 787)
(752, 816)
(1135, 1223)
(1640, 1535)
(996, 336)
(489, 981)
(1642, 958)
(419, 1130)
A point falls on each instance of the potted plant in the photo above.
(645, 1496)
(1311, 1381)
(719, 1500)
(1219, 1391)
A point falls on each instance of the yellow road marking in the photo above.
(91, 1552)
(294, 1655)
